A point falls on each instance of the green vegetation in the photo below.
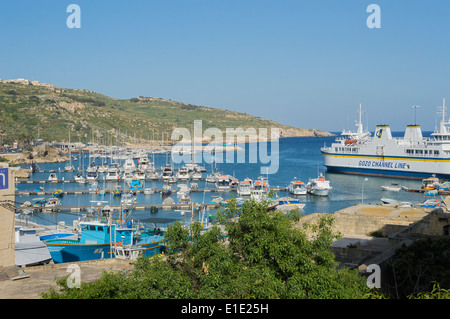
(31, 111)
(264, 256)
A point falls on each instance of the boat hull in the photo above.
(63, 251)
(388, 166)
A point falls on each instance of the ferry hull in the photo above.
(387, 166)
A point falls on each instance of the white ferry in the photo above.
(411, 156)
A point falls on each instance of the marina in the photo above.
(53, 195)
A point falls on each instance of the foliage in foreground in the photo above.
(264, 256)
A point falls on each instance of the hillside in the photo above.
(31, 110)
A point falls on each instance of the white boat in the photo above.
(52, 202)
(196, 175)
(392, 187)
(112, 174)
(153, 175)
(29, 249)
(92, 175)
(79, 178)
(183, 173)
(149, 191)
(183, 189)
(245, 187)
(393, 202)
(139, 175)
(223, 182)
(319, 186)
(167, 172)
(410, 156)
(143, 163)
(260, 189)
(129, 165)
(69, 168)
(52, 177)
(127, 176)
(431, 183)
(297, 187)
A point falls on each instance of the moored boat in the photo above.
(297, 187)
(319, 186)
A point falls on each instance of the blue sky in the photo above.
(303, 63)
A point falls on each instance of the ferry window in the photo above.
(426, 152)
(100, 228)
(91, 227)
(436, 152)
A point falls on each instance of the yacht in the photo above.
(52, 177)
(112, 174)
(167, 172)
(183, 173)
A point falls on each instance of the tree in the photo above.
(263, 256)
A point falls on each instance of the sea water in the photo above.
(298, 157)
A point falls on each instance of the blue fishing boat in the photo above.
(135, 185)
(101, 238)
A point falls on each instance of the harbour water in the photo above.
(299, 158)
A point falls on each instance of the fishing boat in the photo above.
(245, 187)
(392, 188)
(260, 189)
(223, 182)
(319, 186)
(297, 187)
(101, 238)
(117, 192)
(430, 203)
(431, 182)
(166, 190)
(410, 156)
(135, 185)
(286, 205)
(58, 193)
(52, 202)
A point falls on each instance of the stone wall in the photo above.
(7, 242)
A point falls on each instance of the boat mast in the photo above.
(359, 124)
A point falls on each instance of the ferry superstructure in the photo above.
(410, 156)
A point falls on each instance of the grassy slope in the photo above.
(29, 110)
